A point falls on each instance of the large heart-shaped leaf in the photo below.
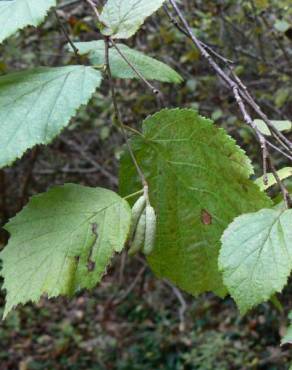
(256, 256)
(150, 68)
(36, 105)
(17, 14)
(198, 181)
(123, 18)
(62, 241)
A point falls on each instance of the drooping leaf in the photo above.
(17, 14)
(198, 181)
(256, 256)
(283, 125)
(287, 339)
(36, 105)
(283, 174)
(150, 68)
(123, 18)
(62, 241)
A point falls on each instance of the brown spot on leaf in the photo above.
(206, 217)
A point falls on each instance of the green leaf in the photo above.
(36, 105)
(123, 18)
(256, 256)
(17, 14)
(198, 181)
(150, 68)
(62, 241)
(283, 174)
(284, 125)
(287, 339)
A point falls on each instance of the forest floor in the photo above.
(133, 321)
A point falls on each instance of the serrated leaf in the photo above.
(283, 125)
(17, 14)
(150, 68)
(256, 256)
(36, 105)
(62, 241)
(283, 174)
(123, 18)
(198, 181)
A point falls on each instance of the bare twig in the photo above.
(63, 28)
(131, 287)
(242, 96)
(242, 90)
(97, 166)
(183, 304)
(118, 115)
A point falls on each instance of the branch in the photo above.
(242, 96)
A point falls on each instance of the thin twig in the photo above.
(139, 74)
(241, 95)
(118, 115)
(229, 81)
(82, 153)
(68, 38)
(153, 89)
(130, 288)
(183, 304)
(28, 177)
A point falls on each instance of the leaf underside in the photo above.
(17, 14)
(256, 256)
(198, 181)
(36, 105)
(62, 241)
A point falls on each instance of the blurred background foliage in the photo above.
(133, 321)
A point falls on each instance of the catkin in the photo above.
(137, 211)
(139, 237)
(150, 230)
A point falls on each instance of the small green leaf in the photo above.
(123, 18)
(256, 256)
(283, 174)
(198, 182)
(150, 68)
(284, 125)
(36, 105)
(281, 25)
(17, 14)
(62, 241)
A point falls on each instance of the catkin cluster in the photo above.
(143, 227)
